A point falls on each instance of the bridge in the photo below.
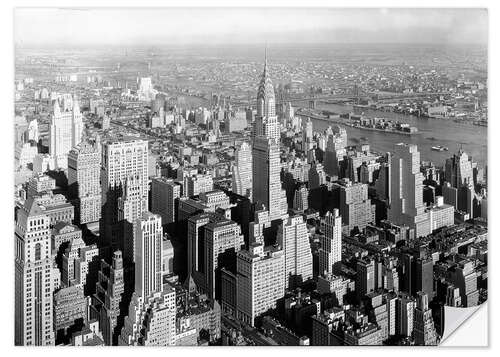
(343, 98)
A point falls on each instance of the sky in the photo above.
(133, 26)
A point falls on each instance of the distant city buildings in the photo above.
(65, 130)
(168, 208)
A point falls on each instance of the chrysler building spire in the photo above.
(265, 94)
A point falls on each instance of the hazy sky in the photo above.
(128, 26)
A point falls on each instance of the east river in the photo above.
(433, 132)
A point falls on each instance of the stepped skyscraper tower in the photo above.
(266, 166)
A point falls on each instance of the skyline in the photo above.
(248, 26)
(219, 196)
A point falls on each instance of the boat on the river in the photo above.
(439, 148)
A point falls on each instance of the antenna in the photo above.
(265, 58)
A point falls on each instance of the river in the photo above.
(472, 138)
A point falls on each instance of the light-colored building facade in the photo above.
(34, 284)
(293, 237)
(330, 252)
(65, 132)
(407, 206)
(148, 254)
(151, 320)
(242, 171)
(260, 281)
(84, 167)
(267, 190)
(356, 208)
(121, 160)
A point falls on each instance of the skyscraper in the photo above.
(307, 135)
(300, 199)
(405, 310)
(65, 132)
(84, 166)
(423, 326)
(407, 206)
(34, 285)
(131, 205)
(260, 281)
(330, 253)
(458, 169)
(267, 190)
(196, 246)
(222, 241)
(164, 195)
(365, 277)
(266, 165)
(120, 161)
(335, 150)
(293, 237)
(242, 171)
(317, 175)
(148, 253)
(151, 320)
(356, 208)
(108, 297)
(383, 182)
(266, 121)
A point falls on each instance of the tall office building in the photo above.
(407, 206)
(383, 182)
(317, 176)
(151, 320)
(148, 254)
(423, 326)
(453, 298)
(424, 277)
(120, 161)
(307, 135)
(458, 169)
(34, 285)
(330, 252)
(65, 132)
(197, 184)
(300, 199)
(222, 241)
(356, 208)
(260, 281)
(146, 92)
(293, 237)
(365, 277)
(335, 150)
(196, 246)
(107, 300)
(164, 195)
(242, 171)
(266, 121)
(131, 205)
(405, 310)
(84, 167)
(267, 190)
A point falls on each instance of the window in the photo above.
(38, 249)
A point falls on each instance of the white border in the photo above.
(7, 58)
